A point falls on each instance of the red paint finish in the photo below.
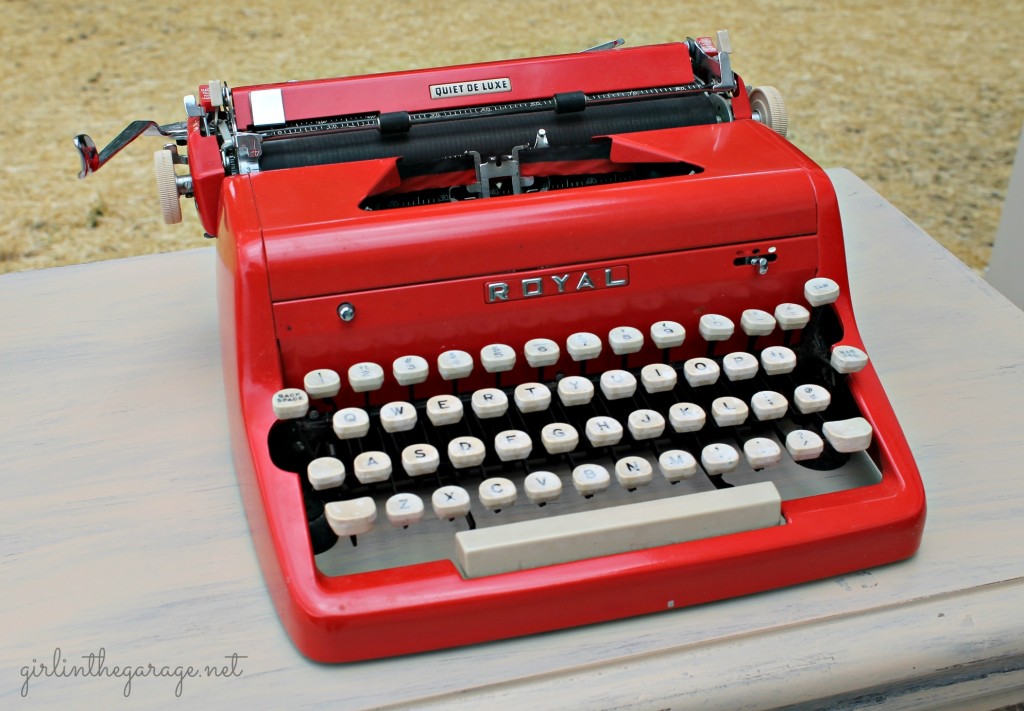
(294, 245)
(207, 169)
(319, 241)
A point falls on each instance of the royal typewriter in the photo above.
(523, 345)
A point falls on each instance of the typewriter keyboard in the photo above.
(574, 463)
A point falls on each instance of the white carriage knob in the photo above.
(767, 106)
(167, 186)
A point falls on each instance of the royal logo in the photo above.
(556, 283)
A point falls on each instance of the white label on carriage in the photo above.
(498, 85)
(267, 107)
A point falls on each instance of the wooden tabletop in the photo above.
(124, 545)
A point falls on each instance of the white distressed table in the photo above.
(123, 534)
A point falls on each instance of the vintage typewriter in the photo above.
(524, 345)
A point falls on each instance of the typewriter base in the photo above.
(352, 618)
(429, 605)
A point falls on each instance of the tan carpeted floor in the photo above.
(923, 101)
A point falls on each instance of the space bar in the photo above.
(618, 529)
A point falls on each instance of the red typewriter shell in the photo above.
(291, 243)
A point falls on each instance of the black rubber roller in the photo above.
(489, 135)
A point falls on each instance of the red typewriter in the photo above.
(524, 345)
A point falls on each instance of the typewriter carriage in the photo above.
(237, 132)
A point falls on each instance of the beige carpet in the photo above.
(922, 101)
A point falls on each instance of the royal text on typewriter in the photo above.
(517, 346)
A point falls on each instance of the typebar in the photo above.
(589, 534)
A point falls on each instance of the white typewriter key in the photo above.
(701, 371)
(645, 424)
(453, 365)
(768, 405)
(352, 517)
(322, 383)
(756, 322)
(541, 352)
(290, 404)
(778, 360)
(618, 384)
(625, 340)
(558, 437)
(350, 423)
(365, 377)
(791, 316)
(497, 492)
(372, 466)
(404, 509)
(739, 366)
(398, 417)
(541, 487)
(633, 471)
(444, 410)
(532, 397)
(450, 502)
(675, 464)
(811, 398)
(575, 390)
(420, 459)
(497, 358)
(410, 370)
(589, 479)
(668, 334)
(803, 445)
(489, 402)
(852, 435)
(719, 459)
(583, 346)
(762, 452)
(820, 291)
(466, 452)
(658, 378)
(511, 445)
(686, 417)
(603, 431)
(325, 473)
(729, 411)
(847, 359)
(715, 327)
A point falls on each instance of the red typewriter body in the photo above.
(403, 243)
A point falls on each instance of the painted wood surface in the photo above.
(122, 528)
